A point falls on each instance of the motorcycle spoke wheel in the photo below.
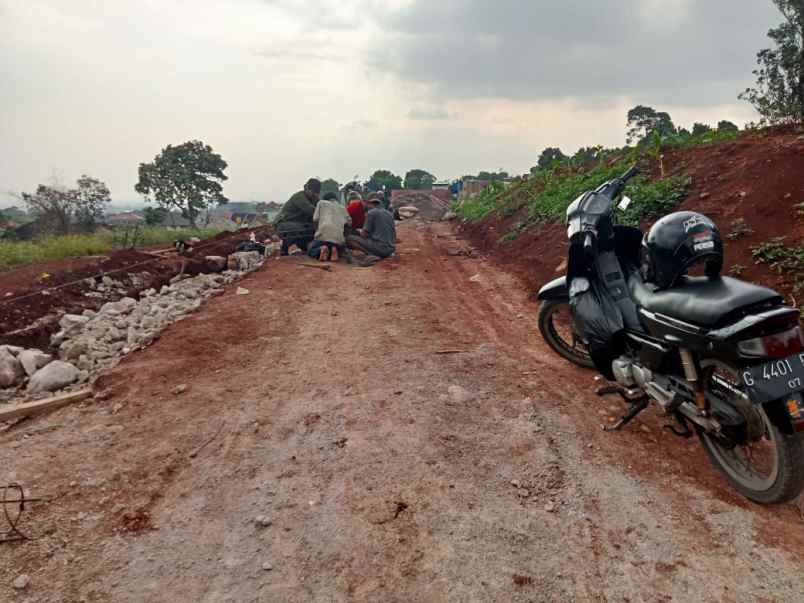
(755, 463)
(557, 328)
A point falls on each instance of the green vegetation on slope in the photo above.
(548, 194)
(21, 253)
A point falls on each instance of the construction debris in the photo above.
(12, 505)
(27, 409)
(421, 204)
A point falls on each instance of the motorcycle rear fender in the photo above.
(555, 290)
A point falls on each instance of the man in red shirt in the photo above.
(356, 208)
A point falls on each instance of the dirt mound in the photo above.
(32, 298)
(430, 207)
(753, 187)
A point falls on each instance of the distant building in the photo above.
(127, 218)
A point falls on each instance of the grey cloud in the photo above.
(576, 48)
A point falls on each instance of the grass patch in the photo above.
(783, 259)
(482, 204)
(21, 253)
(649, 199)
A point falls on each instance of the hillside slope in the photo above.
(753, 187)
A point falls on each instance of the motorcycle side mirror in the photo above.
(624, 203)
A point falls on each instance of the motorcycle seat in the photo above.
(702, 301)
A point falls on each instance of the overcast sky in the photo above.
(287, 89)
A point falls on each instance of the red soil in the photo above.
(758, 178)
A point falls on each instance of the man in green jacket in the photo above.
(295, 220)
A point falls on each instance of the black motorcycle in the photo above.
(722, 357)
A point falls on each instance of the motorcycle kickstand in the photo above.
(684, 431)
(637, 406)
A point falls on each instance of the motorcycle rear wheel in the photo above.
(555, 325)
(782, 477)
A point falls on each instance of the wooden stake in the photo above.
(32, 408)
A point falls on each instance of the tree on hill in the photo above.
(644, 121)
(493, 176)
(586, 155)
(779, 93)
(186, 178)
(419, 180)
(727, 126)
(60, 209)
(549, 157)
(382, 180)
(699, 129)
(330, 186)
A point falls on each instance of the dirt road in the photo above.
(395, 433)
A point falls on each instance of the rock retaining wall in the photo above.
(92, 341)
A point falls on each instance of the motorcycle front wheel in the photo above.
(769, 468)
(555, 325)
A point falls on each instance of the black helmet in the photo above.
(678, 241)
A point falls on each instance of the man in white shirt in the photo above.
(330, 218)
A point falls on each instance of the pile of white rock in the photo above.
(40, 370)
(92, 341)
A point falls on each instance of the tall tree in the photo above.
(53, 207)
(549, 157)
(91, 198)
(382, 180)
(330, 186)
(419, 180)
(186, 178)
(644, 121)
(779, 93)
(59, 209)
(725, 125)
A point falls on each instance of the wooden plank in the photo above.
(31, 408)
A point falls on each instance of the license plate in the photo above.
(775, 379)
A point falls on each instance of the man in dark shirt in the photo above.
(295, 220)
(378, 236)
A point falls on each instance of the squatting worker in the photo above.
(295, 220)
(330, 218)
(357, 207)
(378, 236)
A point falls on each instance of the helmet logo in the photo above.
(706, 245)
(694, 221)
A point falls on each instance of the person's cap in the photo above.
(374, 196)
(354, 195)
(313, 185)
(375, 200)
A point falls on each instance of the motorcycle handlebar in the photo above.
(630, 174)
